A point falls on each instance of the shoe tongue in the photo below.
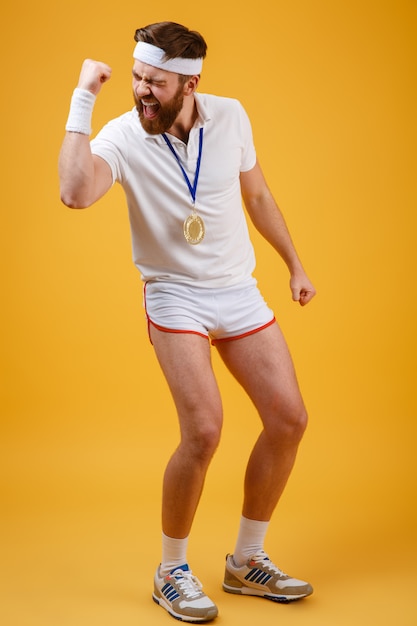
(184, 568)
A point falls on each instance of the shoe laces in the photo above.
(263, 558)
(188, 583)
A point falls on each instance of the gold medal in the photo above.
(194, 229)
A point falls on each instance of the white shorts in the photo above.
(220, 314)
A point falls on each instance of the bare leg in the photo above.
(185, 361)
(263, 366)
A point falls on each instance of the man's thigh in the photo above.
(262, 364)
(185, 360)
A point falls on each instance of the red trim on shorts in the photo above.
(251, 332)
(173, 330)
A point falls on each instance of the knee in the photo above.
(299, 422)
(289, 423)
(209, 438)
(202, 440)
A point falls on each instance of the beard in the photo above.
(166, 115)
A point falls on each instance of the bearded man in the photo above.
(185, 161)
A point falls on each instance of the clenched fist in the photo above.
(93, 74)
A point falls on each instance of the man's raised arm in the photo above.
(84, 178)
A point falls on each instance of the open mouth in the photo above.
(150, 109)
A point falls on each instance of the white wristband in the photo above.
(81, 110)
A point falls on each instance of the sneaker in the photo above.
(260, 577)
(180, 593)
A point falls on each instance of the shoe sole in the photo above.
(183, 618)
(249, 591)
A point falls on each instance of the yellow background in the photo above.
(87, 421)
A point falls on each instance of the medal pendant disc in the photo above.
(194, 229)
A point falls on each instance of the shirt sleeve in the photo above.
(110, 145)
(248, 152)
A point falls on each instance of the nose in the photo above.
(142, 88)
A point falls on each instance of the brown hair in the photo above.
(176, 40)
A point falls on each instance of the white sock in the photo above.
(250, 539)
(174, 553)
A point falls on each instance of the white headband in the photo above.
(151, 55)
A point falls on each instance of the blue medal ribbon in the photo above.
(192, 188)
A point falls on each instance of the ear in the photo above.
(191, 85)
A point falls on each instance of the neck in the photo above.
(185, 119)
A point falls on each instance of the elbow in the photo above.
(72, 201)
(73, 205)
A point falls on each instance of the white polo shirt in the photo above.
(159, 200)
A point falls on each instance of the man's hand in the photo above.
(302, 289)
(93, 74)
